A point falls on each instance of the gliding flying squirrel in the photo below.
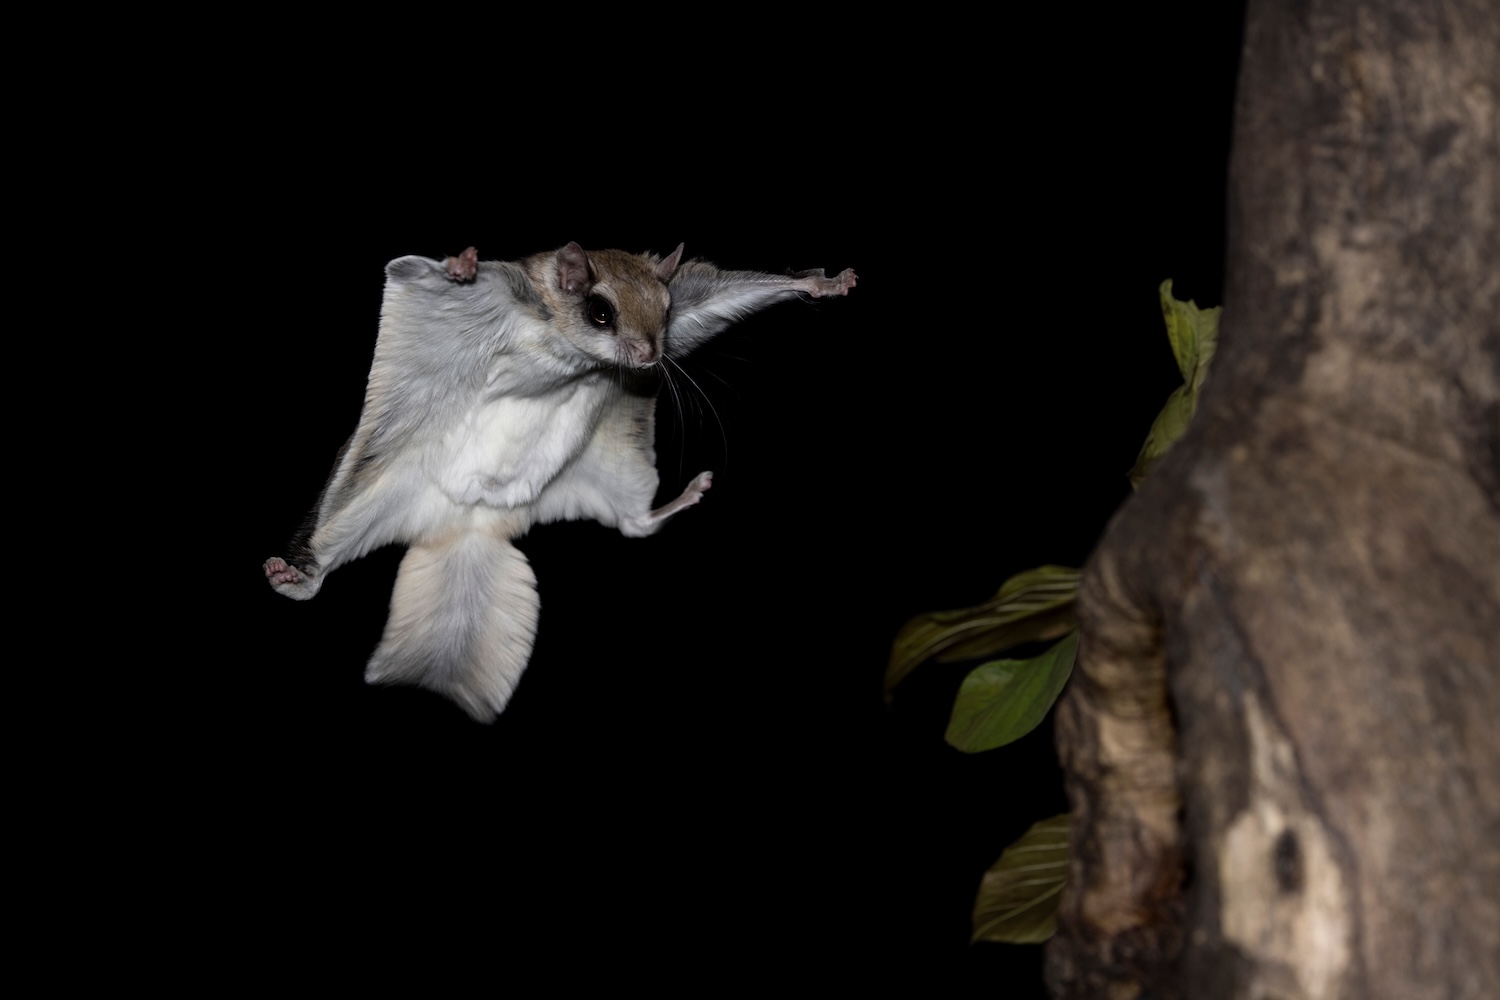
(505, 394)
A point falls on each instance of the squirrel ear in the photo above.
(572, 269)
(665, 268)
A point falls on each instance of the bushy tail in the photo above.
(462, 623)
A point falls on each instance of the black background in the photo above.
(698, 770)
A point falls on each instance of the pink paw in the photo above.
(835, 286)
(464, 266)
(278, 572)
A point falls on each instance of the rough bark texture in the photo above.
(1281, 736)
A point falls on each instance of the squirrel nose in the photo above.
(643, 353)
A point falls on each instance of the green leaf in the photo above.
(1018, 896)
(1002, 701)
(1033, 606)
(1194, 335)
(1169, 425)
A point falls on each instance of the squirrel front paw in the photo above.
(464, 266)
(846, 280)
(289, 580)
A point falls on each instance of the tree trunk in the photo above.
(1281, 735)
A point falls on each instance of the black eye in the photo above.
(600, 311)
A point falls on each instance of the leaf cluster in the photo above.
(1004, 699)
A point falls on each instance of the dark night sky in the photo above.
(698, 760)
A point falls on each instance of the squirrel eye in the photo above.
(600, 311)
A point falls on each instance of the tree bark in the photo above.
(1280, 738)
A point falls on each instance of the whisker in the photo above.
(679, 435)
(676, 395)
(723, 435)
(717, 377)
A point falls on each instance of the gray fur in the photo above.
(496, 402)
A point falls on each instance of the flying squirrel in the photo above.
(505, 394)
